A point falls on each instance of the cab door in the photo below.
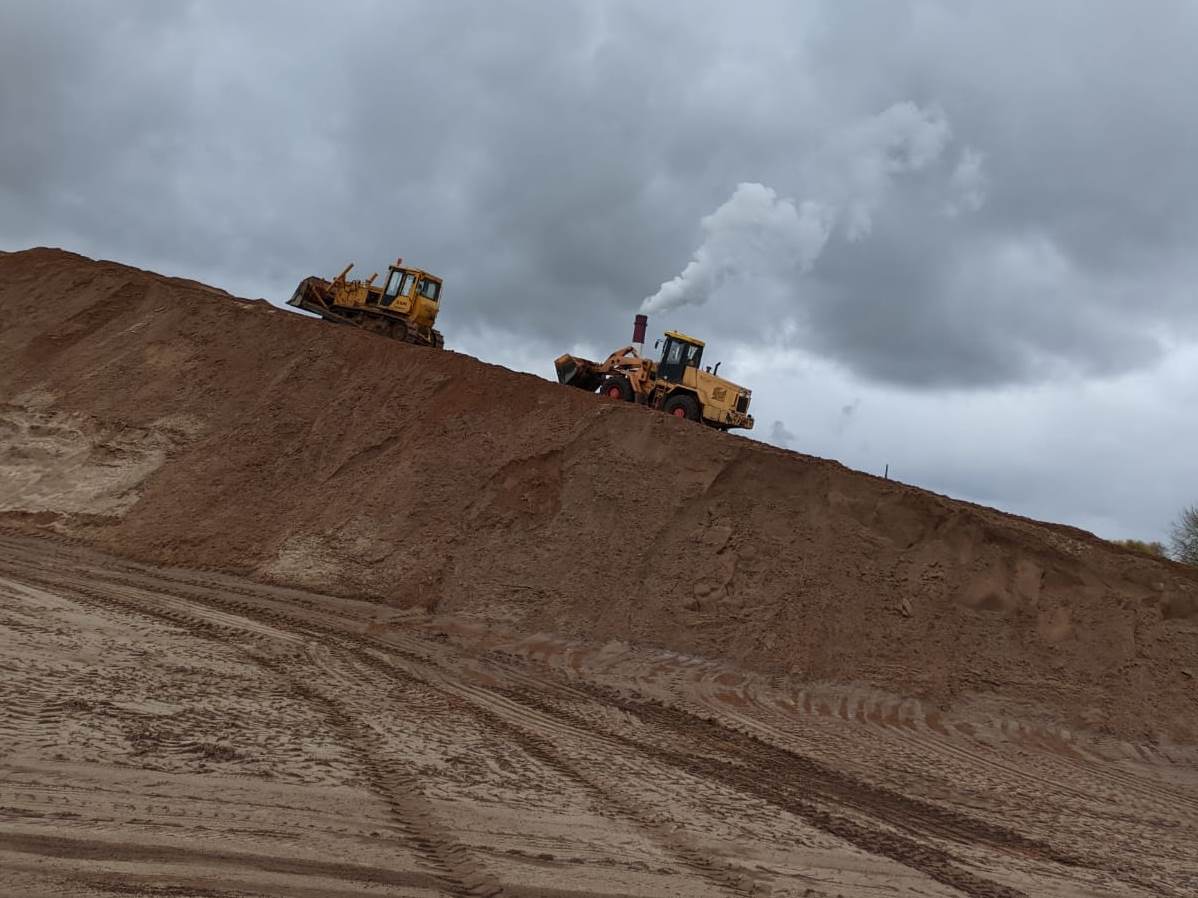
(676, 357)
(398, 290)
(428, 295)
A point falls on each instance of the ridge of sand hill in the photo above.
(170, 421)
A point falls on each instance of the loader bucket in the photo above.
(576, 372)
(566, 369)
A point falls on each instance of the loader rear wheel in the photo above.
(682, 405)
(618, 388)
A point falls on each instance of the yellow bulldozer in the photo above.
(403, 308)
(676, 384)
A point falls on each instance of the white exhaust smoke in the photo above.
(757, 233)
(754, 232)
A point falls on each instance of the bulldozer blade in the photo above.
(309, 295)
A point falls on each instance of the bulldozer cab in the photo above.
(409, 284)
(399, 283)
(679, 353)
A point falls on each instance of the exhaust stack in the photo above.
(639, 326)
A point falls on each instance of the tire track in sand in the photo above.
(794, 778)
(712, 761)
(412, 814)
(601, 790)
(760, 780)
(678, 723)
(522, 713)
(453, 860)
(935, 863)
(450, 862)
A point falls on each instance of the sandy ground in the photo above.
(177, 732)
(591, 650)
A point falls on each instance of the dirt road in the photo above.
(178, 732)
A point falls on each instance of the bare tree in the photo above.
(1184, 537)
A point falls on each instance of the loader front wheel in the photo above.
(682, 405)
(617, 388)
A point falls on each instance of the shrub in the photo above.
(1138, 545)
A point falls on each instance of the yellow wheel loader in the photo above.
(403, 308)
(676, 384)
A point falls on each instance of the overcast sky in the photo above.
(952, 236)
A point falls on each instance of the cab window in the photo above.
(679, 353)
(399, 284)
(429, 289)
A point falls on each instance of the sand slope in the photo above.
(169, 421)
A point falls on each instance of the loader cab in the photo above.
(679, 353)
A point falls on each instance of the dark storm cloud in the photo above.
(1082, 255)
(553, 161)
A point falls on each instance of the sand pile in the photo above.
(168, 420)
